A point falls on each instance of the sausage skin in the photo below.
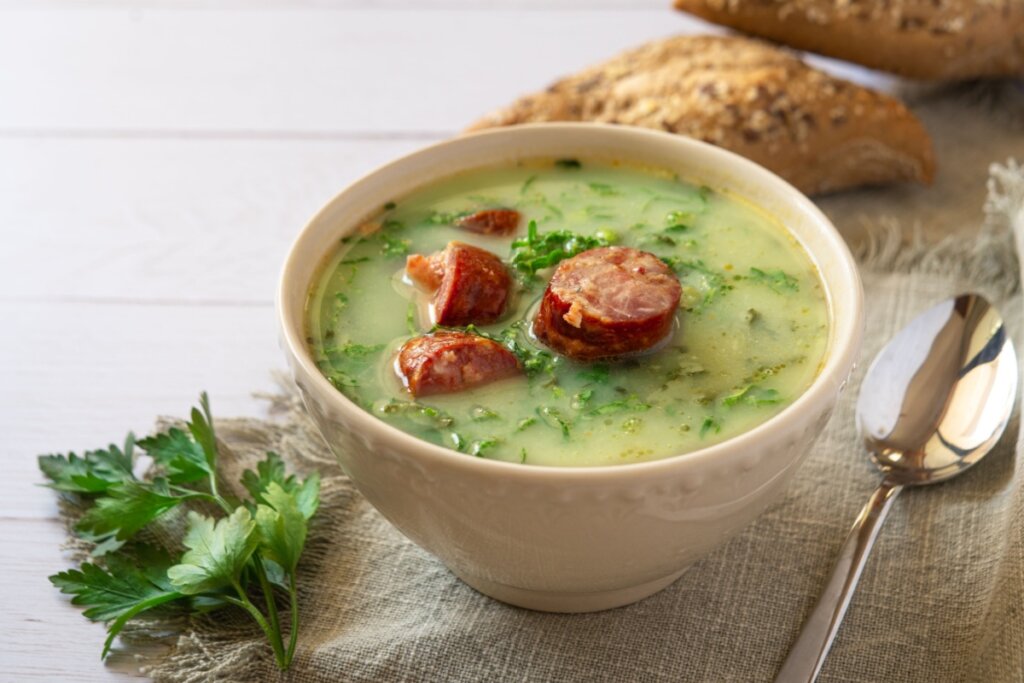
(446, 362)
(471, 284)
(608, 302)
(491, 222)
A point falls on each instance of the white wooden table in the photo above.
(156, 159)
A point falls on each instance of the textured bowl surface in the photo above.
(572, 539)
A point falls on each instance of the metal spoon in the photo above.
(933, 403)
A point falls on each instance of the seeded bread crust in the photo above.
(925, 39)
(820, 133)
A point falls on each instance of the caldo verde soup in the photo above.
(568, 313)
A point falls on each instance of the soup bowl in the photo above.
(571, 539)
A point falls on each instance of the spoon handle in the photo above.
(808, 654)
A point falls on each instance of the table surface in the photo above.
(157, 157)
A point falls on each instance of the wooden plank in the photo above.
(292, 70)
(320, 5)
(167, 219)
(79, 376)
(46, 638)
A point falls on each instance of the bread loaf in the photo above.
(818, 132)
(927, 39)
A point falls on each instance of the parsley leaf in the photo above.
(282, 527)
(183, 458)
(117, 593)
(217, 552)
(127, 507)
(95, 472)
(107, 593)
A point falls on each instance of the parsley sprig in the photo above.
(254, 544)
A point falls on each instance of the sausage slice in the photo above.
(426, 271)
(491, 222)
(608, 302)
(471, 284)
(446, 362)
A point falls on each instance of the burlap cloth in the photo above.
(941, 599)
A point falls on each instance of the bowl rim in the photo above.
(838, 362)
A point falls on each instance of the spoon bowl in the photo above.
(933, 403)
(939, 395)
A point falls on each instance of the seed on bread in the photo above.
(819, 132)
(927, 39)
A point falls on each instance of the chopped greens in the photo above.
(776, 280)
(553, 417)
(603, 189)
(481, 413)
(393, 246)
(629, 403)
(417, 413)
(568, 163)
(706, 282)
(709, 425)
(538, 251)
(752, 395)
(597, 373)
(445, 217)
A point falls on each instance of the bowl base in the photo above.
(568, 601)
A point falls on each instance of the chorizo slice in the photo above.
(471, 284)
(608, 302)
(425, 271)
(446, 362)
(491, 222)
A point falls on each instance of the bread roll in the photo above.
(927, 39)
(818, 132)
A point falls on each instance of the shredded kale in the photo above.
(352, 350)
(538, 251)
(417, 413)
(776, 280)
(709, 283)
(597, 374)
(479, 447)
(752, 395)
(603, 189)
(525, 422)
(629, 403)
(393, 246)
(553, 417)
(482, 413)
(580, 399)
(445, 217)
(709, 425)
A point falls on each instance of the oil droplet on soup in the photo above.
(751, 329)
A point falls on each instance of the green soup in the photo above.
(751, 328)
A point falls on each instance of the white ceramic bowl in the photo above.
(571, 539)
